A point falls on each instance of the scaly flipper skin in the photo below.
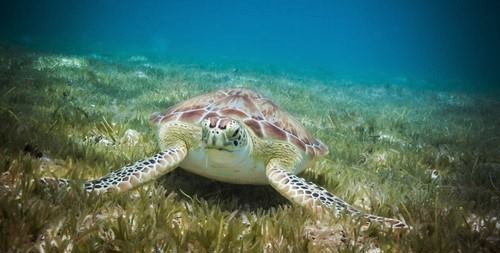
(314, 197)
(140, 172)
(134, 174)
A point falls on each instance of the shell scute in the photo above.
(295, 141)
(274, 132)
(192, 116)
(255, 126)
(231, 112)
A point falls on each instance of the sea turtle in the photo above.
(236, 136)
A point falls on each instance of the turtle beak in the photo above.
(219, 133)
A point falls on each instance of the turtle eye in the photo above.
(236, 132)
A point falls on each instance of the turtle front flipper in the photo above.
(314, 197)
(139, 172)
(134, 174)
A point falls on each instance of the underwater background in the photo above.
(405, 95)
(446, 41)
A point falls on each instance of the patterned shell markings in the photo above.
(260, 114)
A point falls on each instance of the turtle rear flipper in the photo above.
(314, 197)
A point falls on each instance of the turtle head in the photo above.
(224, 134)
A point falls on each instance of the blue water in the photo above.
(441, 41)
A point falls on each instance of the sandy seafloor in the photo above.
(409, 150)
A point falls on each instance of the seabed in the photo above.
(428, 156)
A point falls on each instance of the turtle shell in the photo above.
(260, 114)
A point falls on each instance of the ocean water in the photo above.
(452, 42)
(403, 94)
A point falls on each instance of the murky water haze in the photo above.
(450, 42)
